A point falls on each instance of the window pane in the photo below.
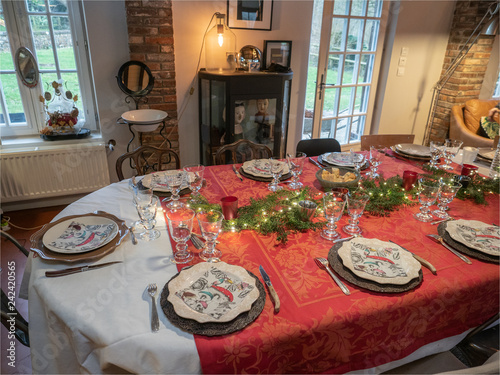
(350, 69)
(58, 6)
(337, 40)
(328, 128)
(330, 102)
(341, 7)
(366, 68)
(357, 128)
(361, 102)
(64, 42)
(36, 5)
(71, 85)
(6, 60)
(346, 97)
(46, 80)
(13, 98)
(371, 35)
(355, 39)
(43, 43)
(358, 8)
(334, 68)
(375, 8)
(342, 133)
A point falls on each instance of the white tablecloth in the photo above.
(99, 321)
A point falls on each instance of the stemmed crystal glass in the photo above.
(180, 225)
(428, 193)
(174, 181)
(375, 160)
(437, 149)
(194, 177)
(296, 164)
(356, 202)
(147, 214)
(356, 161)
(445, 196)
(210, 224)
(451, 147)
(276, 167)
(334, 204)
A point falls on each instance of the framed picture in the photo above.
(250, 14)
(278, 52)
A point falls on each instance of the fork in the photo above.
(155, 323)
(323, 264)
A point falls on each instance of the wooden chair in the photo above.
(147, 159)
(385, 140)
(241, 151)
(318, 146)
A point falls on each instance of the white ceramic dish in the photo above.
(144, 116)
(261, 168)
(486, 153)
(413, 149)
(379, 261)
(212, 292)
(475, 235)
(80, 234)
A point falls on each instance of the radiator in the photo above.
(54, 172)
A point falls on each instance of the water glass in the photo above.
(437, 150)
(195, 177)
(180, 225)
(142, 197)
(174, 181)
(210, 225)
(147, 214)
(296, 164)
(333, 206)
(451, 147)
(428, 193)
(375, 160)
(276, 167)
(356, 202)
(446, 194)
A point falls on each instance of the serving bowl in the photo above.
(328, 184)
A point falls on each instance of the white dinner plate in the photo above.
(80, 234)
(379, 261)
(475, 235)
(486, 153)
(413, 149)
(212, 292)
(144, 116)
(342, 159)
(262, 168)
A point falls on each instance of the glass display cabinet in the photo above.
(243, 105)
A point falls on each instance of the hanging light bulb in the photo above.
(220, 48)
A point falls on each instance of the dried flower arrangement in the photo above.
(61, 111)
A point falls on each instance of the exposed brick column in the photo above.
(466, 81)
(151, 41)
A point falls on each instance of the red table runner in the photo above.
(319, 329)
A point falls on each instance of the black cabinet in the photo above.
(239, 105)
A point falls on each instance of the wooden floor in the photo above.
(28, 219)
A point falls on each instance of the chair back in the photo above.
(318, 146)
(148, 159)
(241, 151)
(385, 140)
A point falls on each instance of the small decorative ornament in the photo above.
(61, 111)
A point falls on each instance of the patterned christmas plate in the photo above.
(475, 235)
(261, 168)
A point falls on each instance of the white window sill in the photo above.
(34, 143)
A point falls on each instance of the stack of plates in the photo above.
(486, 154)
(376, 265)
(342, 159)
(213, 299)
(412, 151)
(471, 237)
(260, 170)
(156, 181)
(79, 237)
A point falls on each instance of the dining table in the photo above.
(98, 321)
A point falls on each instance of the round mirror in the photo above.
(135, 78)
(26, 67)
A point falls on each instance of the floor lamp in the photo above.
(490, 28)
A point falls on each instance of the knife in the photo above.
(440, 240)
(237, 173)
(69, 271)
(272, 292)
(421, 260)
(315, 163)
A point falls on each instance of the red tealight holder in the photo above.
(409, 179)
(229, 206)
(469, 170)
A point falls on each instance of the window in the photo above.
(344, 59)
(53, 30)
(496, 94)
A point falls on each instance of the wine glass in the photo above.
(356, 202)
(180, 225)
(147, 214)
(195, 177)
(436, 149)
(210, 224)
(446, 194)
(375, 160)
(334, 204)
(276, 167)
(142, 197)
(451, 147)
(357, 161)
(174, 181)
(428, 193)
(296, 164)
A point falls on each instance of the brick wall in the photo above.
(151, 41)
(466, 81)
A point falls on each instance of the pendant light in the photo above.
(220, 47)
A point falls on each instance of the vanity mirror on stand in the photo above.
(136, 80)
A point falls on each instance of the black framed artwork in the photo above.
(250, 14)
(277, 52)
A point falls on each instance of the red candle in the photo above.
(229, 207)
(409, 179)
